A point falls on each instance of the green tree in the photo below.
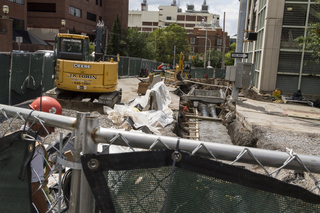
(116, 43)
(215, 58)
(312, 39)
(165, 40)
(137, 45)
(227, 57)
(196, 60)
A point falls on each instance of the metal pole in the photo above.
(10, 77)
(87, 202)
(60, 173)
(240, 38)
(221, 151)
(209, 62)
(76, 174)
(223, 66)
(205, 46)
(174, 58)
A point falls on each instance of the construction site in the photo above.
(98, 136)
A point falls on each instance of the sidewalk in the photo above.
(288, 117)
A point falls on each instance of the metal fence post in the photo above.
(76, 174)
(87, 202)
(10, 77)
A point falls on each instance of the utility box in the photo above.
(244, 75)
(231, 73)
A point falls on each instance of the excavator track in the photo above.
(85, 102)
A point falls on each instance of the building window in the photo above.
(168, 17)
(42, 7)
(97, 2)
(192, 40)
(91, 17)
(219, 49)
(100, 3)
(166, 24)
(192, 50)
(17, 1)
(100, 18)
(219, 41)
(74, 11)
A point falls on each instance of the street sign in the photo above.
(239, 55)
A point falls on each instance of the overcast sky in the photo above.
(231, 7)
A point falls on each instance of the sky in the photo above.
(231, 7)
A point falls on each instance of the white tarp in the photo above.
(157, 98)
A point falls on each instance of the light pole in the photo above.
(209, 62)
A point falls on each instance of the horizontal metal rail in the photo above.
(49, 119)
(220, 151)
(140, 140)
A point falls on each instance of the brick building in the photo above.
(214, 37)
(42, 18)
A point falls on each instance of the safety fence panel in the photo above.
(174, 181)
(178, 178)
(4, 78)
(31, 74)
(129, 66)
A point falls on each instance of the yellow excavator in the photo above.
(77, 78)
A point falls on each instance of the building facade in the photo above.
(214, 39)
(196, 23)
(43, 17)
(280, 63)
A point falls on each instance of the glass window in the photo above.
(295, 14)
(168, 17)
(91, 17)
(71, 45)
(74, 11)
(192, 40)
(17, 1)
(192, 50)
(219, 41)
(288, 36)
(289, 62)
(313, 15)
(41, 7)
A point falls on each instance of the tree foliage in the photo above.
(166, 39)
(228, 61)
(137, 45)
(116, 43)
(312, 40)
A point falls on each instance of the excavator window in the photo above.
(71, 45)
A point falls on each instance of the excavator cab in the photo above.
(72, 47)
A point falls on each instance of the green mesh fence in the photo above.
(15, 193)
(20, 72)
(4, 78)
(139, 182)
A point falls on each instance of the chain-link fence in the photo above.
(116, 177)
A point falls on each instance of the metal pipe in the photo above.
(49, 118)
(87, 202)
(76, 174)
(212, 109)
(220, 151)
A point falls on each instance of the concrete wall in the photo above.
(271, 45)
